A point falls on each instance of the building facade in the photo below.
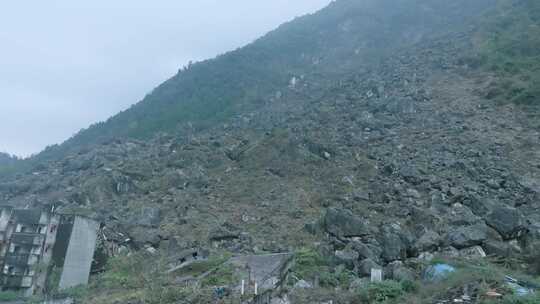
(36, 242)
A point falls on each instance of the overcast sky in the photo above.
(66, 64)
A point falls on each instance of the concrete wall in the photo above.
(5, 216)
(80, 252)
(50, 239)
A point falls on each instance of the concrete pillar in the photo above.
(80, 253)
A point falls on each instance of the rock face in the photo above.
(364, 269)
(343, 223)
(348, 257)
(393, 248)
(429, 241)
(149, 217)
(507, 221)
(467, 236)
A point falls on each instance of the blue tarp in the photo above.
(438, 272)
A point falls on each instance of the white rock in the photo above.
(303, 285)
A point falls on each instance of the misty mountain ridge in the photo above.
(371, 134)
(320, 47)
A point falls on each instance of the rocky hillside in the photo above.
(322, 47)
(369, 163)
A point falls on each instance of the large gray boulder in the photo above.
(461, 215)
(531, 239)
(365, 266)
(467, 236)
(367, 251)
(429, 241)
(507, 221)
(347, 257)
(393, 247)
(502, 249)
(342, 223)
(397, 271)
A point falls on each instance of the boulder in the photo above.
(449, 252)
(429, 241)
(393, 247)
(426, 256)
(531, 239)
(366, 251)
(502, 249)
(347, 257)
(303, 285)
(466, 236)
(399, 272)
(411, 175)
(145, 236)
(343, 223)
(507, 221)
(462, 216)
(475, 252)
(365, 266)
(530, 183)
(480, 207)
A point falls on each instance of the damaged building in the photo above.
(39, 244)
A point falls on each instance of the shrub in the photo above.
(519, 300)
(308, 264)
(223, 276)
(122, 272)
(8, 296)
(382, 292)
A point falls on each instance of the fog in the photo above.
(67, 64)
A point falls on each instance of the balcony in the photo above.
(17, 259)
(17, 281)
(27, 238)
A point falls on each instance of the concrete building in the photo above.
(36, 242)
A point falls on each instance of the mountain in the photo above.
(10, 164)
(372, 134)
(343, 37)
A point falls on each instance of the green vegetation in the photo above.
(142, 277)
(516, 300)
(8, 296)
(382, 292)
(222, 276)
(476, 276)
(509, 45)
(310, 266)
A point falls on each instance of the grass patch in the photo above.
(508, 44)
(310, 266)
(198, 268)
(6, 296)
(383, 292)
(224, 275)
